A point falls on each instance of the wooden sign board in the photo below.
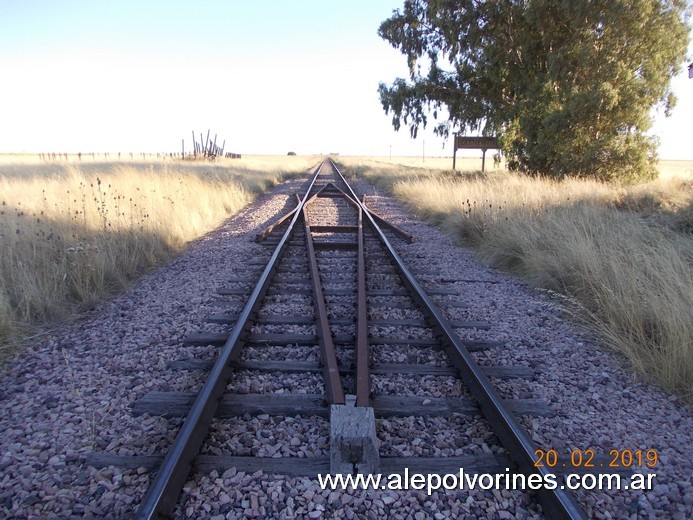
(474, 143)
(483, 143)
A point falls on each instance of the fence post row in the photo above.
(205, 148)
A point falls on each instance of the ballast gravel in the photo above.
(71, 392)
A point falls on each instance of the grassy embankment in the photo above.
(74, 233)
(623, 254)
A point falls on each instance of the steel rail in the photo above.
(363, 384)
(397, 231)
(556, 503)
(363, 379)
(362, 372)
(162, 495)
(330, 369)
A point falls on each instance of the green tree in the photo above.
(568, 86)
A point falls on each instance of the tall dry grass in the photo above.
(624, 254)
(71, 234)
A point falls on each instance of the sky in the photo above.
(265, 76)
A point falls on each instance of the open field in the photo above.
(682, 169)
(434, 163)
(622, 256)
(667, 169)
(73, 232)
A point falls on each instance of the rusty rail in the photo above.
(330, 368)
(163, 492)
(557, 503)
(363, 384)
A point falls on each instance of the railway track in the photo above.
(331, 327)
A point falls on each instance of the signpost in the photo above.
(467, 143)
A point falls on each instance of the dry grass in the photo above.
(73, 233)
(624, 254)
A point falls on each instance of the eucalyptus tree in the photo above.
(569, 86)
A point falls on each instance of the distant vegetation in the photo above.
(568, 87)
(71, 234)
(624, 256)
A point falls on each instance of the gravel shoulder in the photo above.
(71, 393)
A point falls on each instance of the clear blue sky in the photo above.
(78, 75)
